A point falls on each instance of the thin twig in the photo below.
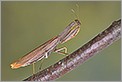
(78, 57)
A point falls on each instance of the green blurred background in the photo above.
(25, 25)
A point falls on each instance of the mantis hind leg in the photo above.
(45, 57)
(59, 50)
(41, 64)
(33, 68)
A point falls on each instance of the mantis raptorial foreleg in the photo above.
(59, 50)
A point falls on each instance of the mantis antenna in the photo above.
(78, 11)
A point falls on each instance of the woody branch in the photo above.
(78, 57)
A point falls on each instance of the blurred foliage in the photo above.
(27, 24)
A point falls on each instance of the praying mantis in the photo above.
(44, 50)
